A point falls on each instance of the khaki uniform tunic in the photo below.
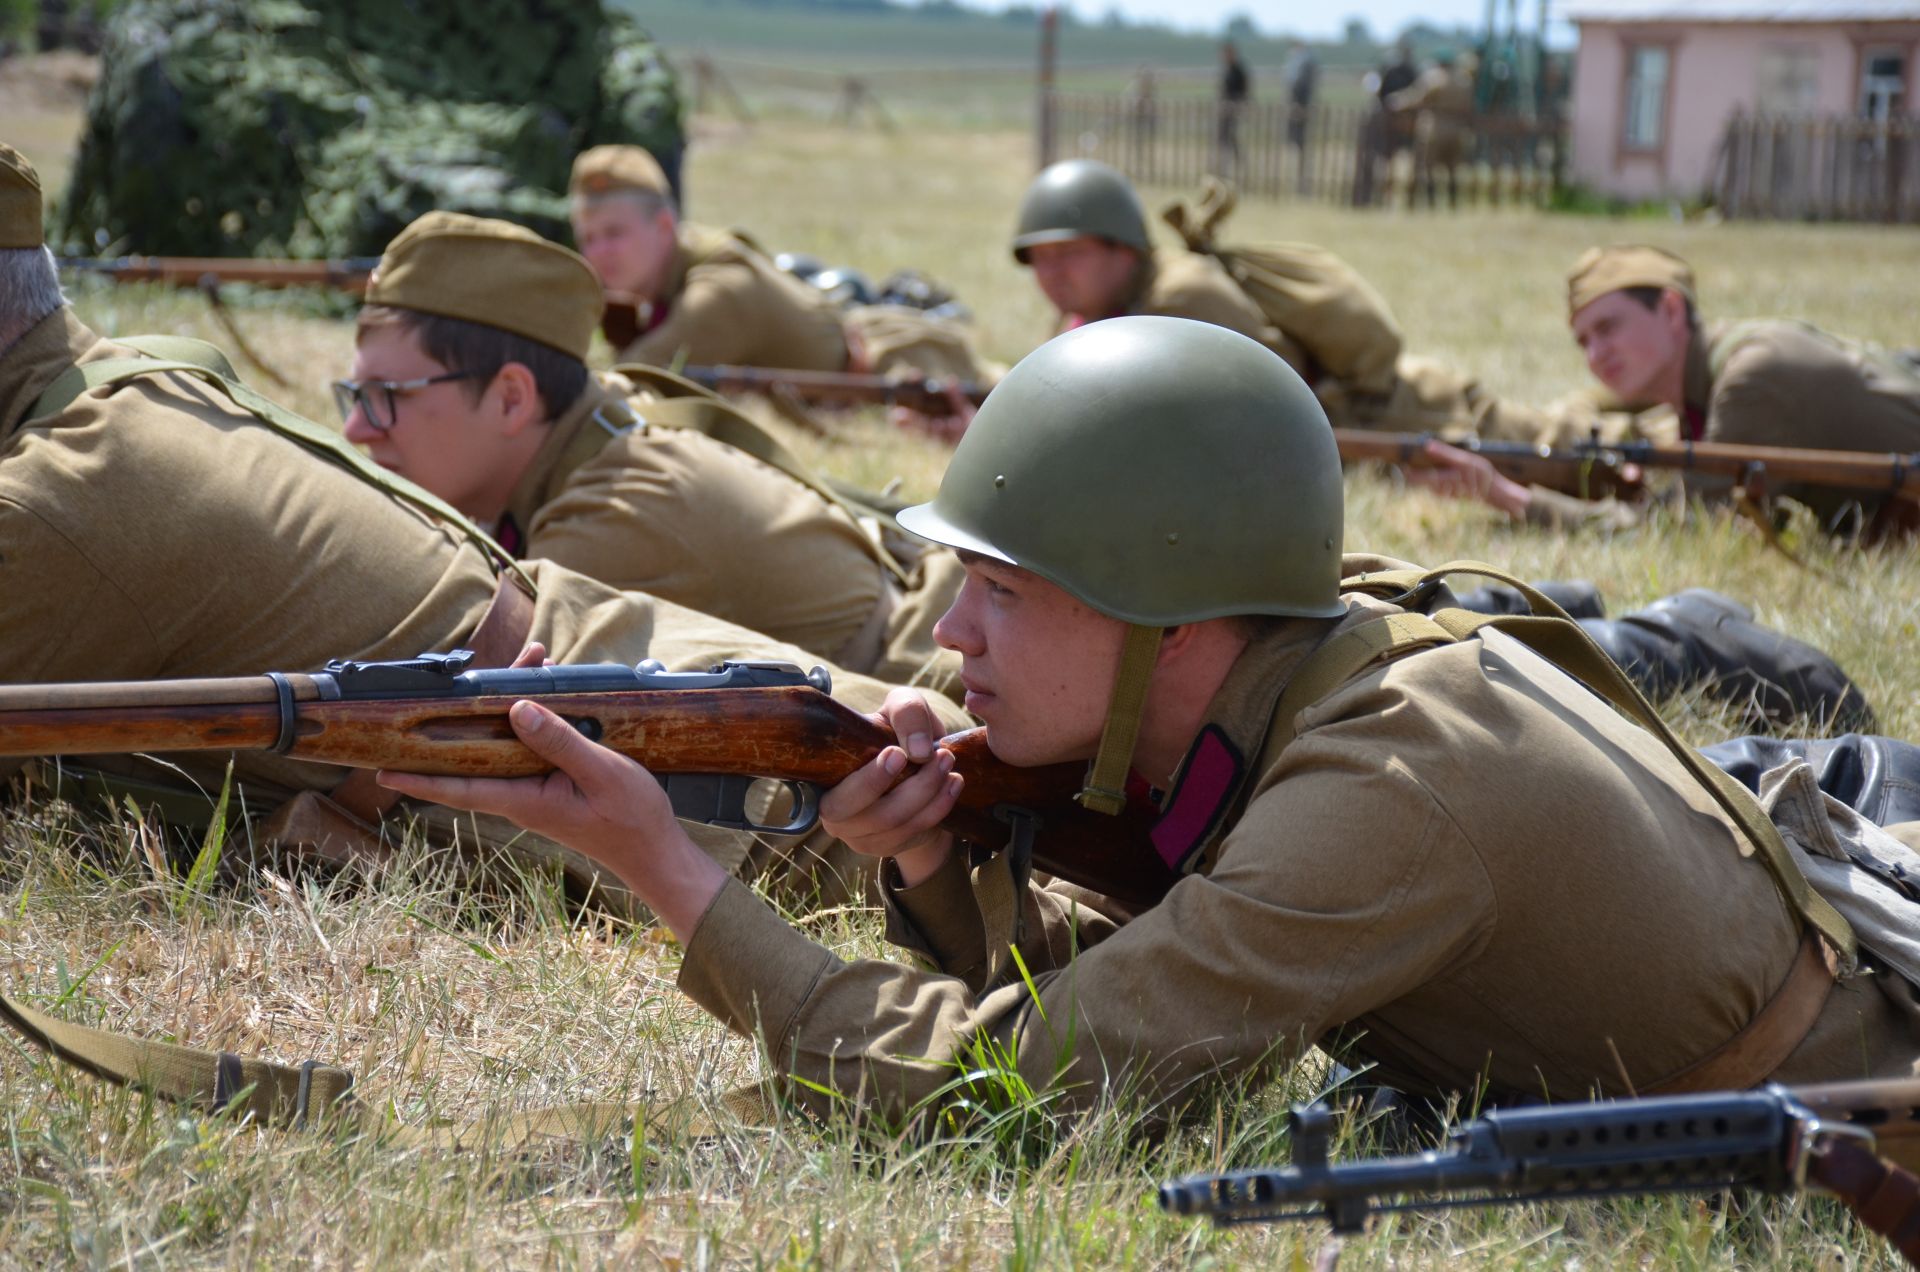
(1426, 396)
(1465, 860)
(725, 302)
(155, 530)
(1777, 383)
(671, 511)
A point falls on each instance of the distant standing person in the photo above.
(1385, 133)
(1235, 88)
(1303, 76)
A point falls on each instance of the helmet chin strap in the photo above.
(1106, 788)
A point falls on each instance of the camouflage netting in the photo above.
(321, 127)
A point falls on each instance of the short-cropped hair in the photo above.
(459, 345)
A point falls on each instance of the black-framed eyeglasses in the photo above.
(380, 399)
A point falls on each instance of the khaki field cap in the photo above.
(605, 169)
(1080, 198)
(1601, 270)
(493, 273)
(20, 224)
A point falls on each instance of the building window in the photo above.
(1789, 82)
(1646, 96)
(1883, 81)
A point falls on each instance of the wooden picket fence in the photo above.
(1351, 155)
(1819, 168)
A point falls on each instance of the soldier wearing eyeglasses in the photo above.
(469, 377)
(154, 527)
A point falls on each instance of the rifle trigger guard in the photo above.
(720, 799)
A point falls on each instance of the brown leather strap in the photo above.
(1750, 1057)
(1885, 1197)
(497, 641)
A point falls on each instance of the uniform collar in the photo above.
(1696, 387)
(599, 415)
(1214, 778)
(1224, 761)
(36, 360)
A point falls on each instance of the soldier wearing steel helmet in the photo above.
(1444, 847)
(1083, 233)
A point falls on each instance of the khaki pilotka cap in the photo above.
(494, 273)
(604, 169)
(20, 212)
(1601, 270)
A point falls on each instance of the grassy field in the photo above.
(450, 1003)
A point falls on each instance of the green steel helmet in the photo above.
(1080, 197)
(1161, 470)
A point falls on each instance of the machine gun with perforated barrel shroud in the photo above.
(709, 737)
(1831, 1138)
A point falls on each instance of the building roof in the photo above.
(1822, 11)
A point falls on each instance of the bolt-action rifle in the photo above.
(1598, 468)
(709, 737)
(349, 274)
(929, 395)
(1775, 1140)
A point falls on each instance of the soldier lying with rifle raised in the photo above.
(631, 477)
(1770, 385)
(1355, 783)
(160, 519)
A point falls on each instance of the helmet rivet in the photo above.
(1000, 481)
(1173, 537)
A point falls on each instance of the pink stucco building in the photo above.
(1655, 81)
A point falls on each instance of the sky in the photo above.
(1324, 18)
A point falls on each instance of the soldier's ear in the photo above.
(517, 397)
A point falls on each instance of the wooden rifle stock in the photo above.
(772, 724)
(837, 388)
(1593, 469)
(347, 275)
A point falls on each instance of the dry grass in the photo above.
(449, 1003)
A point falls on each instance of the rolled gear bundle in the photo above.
(301, 128)
(1877, 777)
(901, 342)
(1312, 297)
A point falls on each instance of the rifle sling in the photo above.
(315, 1095)
(186, 356)
(1883, 1196)
(692, 407)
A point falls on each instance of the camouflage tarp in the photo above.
(321, 127)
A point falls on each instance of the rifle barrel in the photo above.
(1583, 463)
(348, 275)
(928, 394)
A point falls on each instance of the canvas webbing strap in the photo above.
(312, 1094)
(1106, 788)
(1884, 1196)
(687, 405)
(1551, 634)
(331, 446)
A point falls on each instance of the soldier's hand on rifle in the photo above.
(944, 428)
(1461, 474)
(596, 801)
(879, 815)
